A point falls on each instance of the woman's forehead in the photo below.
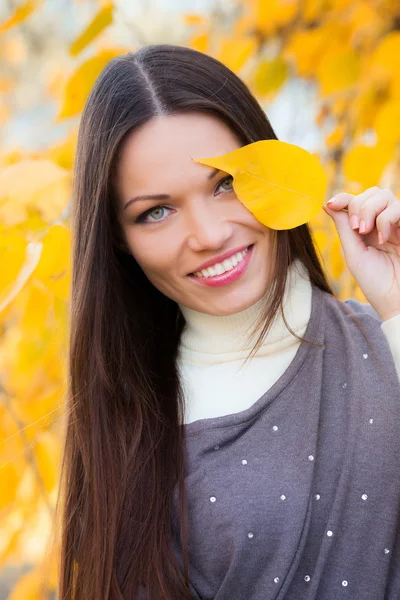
(163, 148)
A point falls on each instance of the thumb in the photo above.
(352, 241)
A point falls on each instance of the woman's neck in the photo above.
(212, 339)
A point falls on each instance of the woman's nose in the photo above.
(208, 229)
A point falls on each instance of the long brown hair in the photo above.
(124, 446)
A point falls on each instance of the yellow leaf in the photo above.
(21, 13)
(12, 257)
(102, 19)
(53, 268)
(234, 53)
(15, 49)
(47, 453)
(363, 110)
(81, 82)
(193, 19)
(36, 184)
(63, 154)
(268, 16)
(29, 586)
(6, 84)
(364, 165)
(336, 137)
(320, 239)
(199, 42)
(307, 48)
(281, 184)
(339, 70)
(337, 259)
(387, 122)
(269, 76)
(386, 53)
(312, 10)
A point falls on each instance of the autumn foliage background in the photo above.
(343, 52)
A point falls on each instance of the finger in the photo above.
(351, 241)
(357, 202)
(352, 203)
(339, 201)
(388, 219)
(372, 207)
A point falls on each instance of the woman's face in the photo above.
(193, 217)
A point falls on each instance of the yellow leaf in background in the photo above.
(268, 16)
(312, 9)
(199, 42)
(244, 25)
(15, 49)
(6, 84)
(385, 57)
(47, 453)
(234, 53)
(9, 474)
(337, 261)
(363, 165)
(81, 82)
(30, 184)
(283, 185)
(28, 587)
(336, 137)
(194, 19)
(338, 71)
(12, 257)
(387, 122)
(320, 239)
(102, 20)
(21, 13)
(54, 267)
(269, 76)
(10, 158)
(307, 49)
(63, 154)
(363, 110)
(10, 533)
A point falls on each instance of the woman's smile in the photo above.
(226, 271)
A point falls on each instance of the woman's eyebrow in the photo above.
(162, 196)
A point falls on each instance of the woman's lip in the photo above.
(229, 276)
(219, 259)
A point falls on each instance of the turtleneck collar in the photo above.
(209, 339)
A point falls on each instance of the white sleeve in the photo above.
(391, 329)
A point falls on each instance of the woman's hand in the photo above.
(370, 236)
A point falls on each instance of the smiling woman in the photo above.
(198, 216)
(232, 427)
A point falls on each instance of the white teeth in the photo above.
(220, 268)
(227, 264)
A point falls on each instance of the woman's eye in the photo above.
(157, 214)
(226, 184)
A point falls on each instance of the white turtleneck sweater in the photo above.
(215, 380)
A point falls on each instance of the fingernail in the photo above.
(362, 227)
(380, 238)
(354, 222)
(331, 201)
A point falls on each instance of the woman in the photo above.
(190, 471)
